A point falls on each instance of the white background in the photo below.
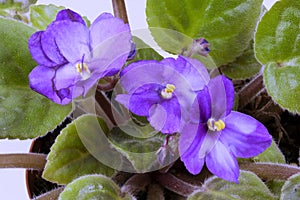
(12, 181)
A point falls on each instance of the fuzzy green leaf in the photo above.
(277, 46)
(24, 113)
(69, 158)
(249, 187)
(290, 189)
(93, 187)
(42, 15)
(227, 25)
(271, 154)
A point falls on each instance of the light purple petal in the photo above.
(141, 73)
(194, 72)
(190, 143)
(41, 81)
(222, 96)
(222, 163)
(72, 39)
(69, 15)
(49, 45)
(166, 116)
(201, 108)
(142, 99)
(38, 54)
(245, 136)
(110, 41)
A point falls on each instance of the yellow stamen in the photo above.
(83, 70)
(167, 93)
(214, 125)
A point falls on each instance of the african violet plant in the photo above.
(135, 125)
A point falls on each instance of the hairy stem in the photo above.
(136, 183)
(250, 91)
(29, 161)
(120, 10)
(270, 171)
(53, 194)
(175, 184)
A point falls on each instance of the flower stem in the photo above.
(29, 161)
(250, 91)
(120, 10)
(270, 171)
(53, 194)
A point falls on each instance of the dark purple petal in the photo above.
(49, 45)
(35, 48)
(194, 72)
(245, 136)
(190, 143)
(201, 108)
(222, 96)
(41, 81)
(142, 99)
(72, 39)
(69, 15)
(166, 116)
(222, 163)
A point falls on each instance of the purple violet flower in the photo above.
(216, 135)
(72, 57)
(162, 91)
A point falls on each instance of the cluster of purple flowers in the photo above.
(176, 95)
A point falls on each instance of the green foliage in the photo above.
(245, 66)
(24, 113)
(249, 187)
(277, 46)
(290, 189)
(69, 158)
(93, 187)
(42, 15)
(271, 154)
(227, 25)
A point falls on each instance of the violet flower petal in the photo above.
(49, 45)
(72, 39)
(166, 116)
(222, 96)
(222, 163)
(245, 136)
(41, 81)
(69, 15)
(189, 145)
(201, 109)
(36, 50)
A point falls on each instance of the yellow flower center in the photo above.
(167, 93)
(83, 70)
(214, 125)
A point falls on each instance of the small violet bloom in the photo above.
(216, 135)
(162, 91)
(72, 57)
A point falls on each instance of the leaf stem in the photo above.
(120, 10)
(53, 194)
(270, 171)
(29, 161)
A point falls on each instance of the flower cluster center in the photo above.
(214, 125)
(83, 70)
(167, 93)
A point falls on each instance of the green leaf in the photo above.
(245, 66)
(271, 154)
(249, 187)
(277, 46)
(23, 112)
(275, 186)
(42, 15)
(69, 158)
(93, 187)
(227, 25)
(290, 189)
(140, 144)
